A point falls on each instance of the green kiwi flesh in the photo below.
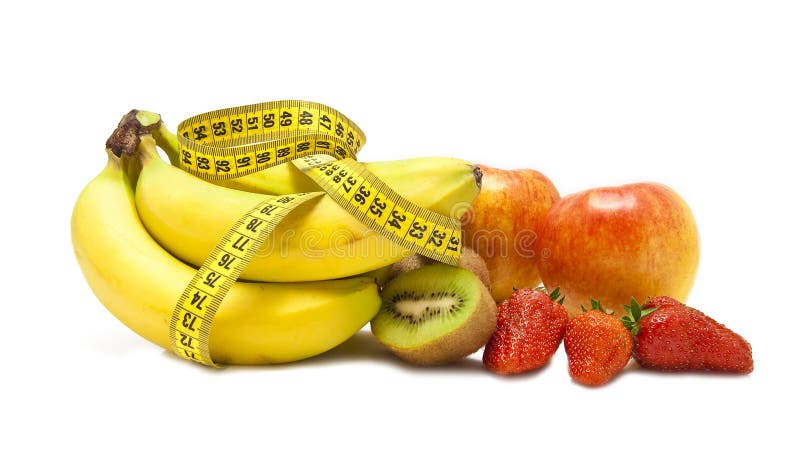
(435, 314)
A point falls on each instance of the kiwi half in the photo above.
(435, 314)
(469, 260)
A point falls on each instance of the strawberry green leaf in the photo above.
(596, 306)
(635, 314)
(647, 311)
(556, 296)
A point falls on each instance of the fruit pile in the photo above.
(143, 226)
(623, 245)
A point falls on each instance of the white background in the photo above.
(703, 96)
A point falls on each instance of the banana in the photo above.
(139, 283)
(320, 240)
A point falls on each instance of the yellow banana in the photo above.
(320, 240)
(139, 282)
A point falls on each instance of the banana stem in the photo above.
(126, 137)
(132, 141)
(168, 141)
(148, 120)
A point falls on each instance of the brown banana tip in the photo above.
(125, 138)
(476, 171)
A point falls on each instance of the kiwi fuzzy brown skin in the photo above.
(460, 342)
(470, 260)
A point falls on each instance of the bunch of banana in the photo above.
(140, 228)
(188, 215)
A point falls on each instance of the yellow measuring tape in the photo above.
(321, 142)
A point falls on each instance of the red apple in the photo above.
(614, 244)
(502, 225)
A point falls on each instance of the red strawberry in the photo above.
(530, 326)
(671, 336)
(598, 346)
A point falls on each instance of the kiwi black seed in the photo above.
(435, 314)
(469, 260)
